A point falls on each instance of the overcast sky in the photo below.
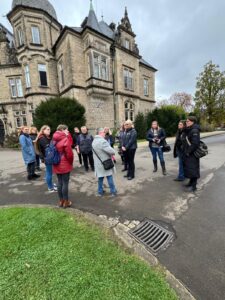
(176, 37)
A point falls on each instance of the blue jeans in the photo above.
(48, 176)
(159, 152)
(110, 182)
(181, 166)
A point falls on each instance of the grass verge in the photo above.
(50, 254)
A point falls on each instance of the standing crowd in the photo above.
(98, 154)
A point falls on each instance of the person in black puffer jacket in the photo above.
(130, 147)
(33, 135)
(177, 151)
(190, 143)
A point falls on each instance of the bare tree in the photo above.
(182, 99)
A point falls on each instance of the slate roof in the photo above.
(44, 5)
(106, 30)
(144, 62)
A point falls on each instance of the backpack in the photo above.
(52, 156)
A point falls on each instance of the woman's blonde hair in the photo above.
(41, 132)
(33, 129)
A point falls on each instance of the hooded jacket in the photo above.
(64, 147)
(27, 148)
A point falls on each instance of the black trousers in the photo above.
(125, 159)
(130, 154)
(31, 169)
(88, 157)
(80, 157)
(63, 186)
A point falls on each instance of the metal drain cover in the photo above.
(153, 236)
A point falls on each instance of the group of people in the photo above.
(98, 153)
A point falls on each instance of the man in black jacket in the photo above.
(85, 148)
(75, 143)
(130, 147)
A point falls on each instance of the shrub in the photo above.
(12, 140)
(168, 117)
(57, 111)
(140, 125)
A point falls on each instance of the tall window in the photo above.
(127, 44)
(35, 35)
(100, 67)
(128, 79)
(43, 75)
(61, 75)
(129, 111)
(20, 36)
(146, 88)
(27, 76)
(16, 87)
(18, 122)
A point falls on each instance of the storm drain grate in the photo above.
(153, 236)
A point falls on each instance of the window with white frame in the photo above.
(100, 67)
(16, 87)
(129, 111)
(43, 74)
(35, 35)
(127, 44)
(146, 87)
(24, 119)
(27, 76)
(20, 36)
(128, 79)
(61, 75)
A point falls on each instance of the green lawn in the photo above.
(48, 254)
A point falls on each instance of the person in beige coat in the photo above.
(103, 151)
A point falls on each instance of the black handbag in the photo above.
(107, 164)
(201, 151)
(166, 147)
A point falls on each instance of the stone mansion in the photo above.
(97, 64)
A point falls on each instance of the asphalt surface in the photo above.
(197, 256)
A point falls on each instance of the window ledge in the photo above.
(43, 86)
(20, 47)
(36, 45)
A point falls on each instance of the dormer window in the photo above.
(35, 35)
(20, 36)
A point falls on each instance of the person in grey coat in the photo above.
(102, 150)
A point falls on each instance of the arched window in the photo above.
(129, 111)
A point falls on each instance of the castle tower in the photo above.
(36, 30)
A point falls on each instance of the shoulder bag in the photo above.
(107, 164)
(201, 151)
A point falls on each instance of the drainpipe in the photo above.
(113, 52)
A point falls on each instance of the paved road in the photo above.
(197, 255)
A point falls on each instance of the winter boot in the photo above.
(61, 203)
(163, 168)
(155, 166)
(67, 204)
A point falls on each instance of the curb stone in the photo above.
(120, 232)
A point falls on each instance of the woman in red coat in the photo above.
(64, 146)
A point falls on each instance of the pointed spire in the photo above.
(126, 13)
(91, 6)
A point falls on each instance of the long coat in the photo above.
(28, 152)
(104, 151)
(191, 163)
(64, 147)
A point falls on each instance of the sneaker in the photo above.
(52, 190)
(179, 179)
(35, 176)
(55, 187)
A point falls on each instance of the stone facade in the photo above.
(97, 64)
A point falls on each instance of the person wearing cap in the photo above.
(190, 143)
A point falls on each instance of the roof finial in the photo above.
(102, 16)
(91, 5)
(126, 13)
